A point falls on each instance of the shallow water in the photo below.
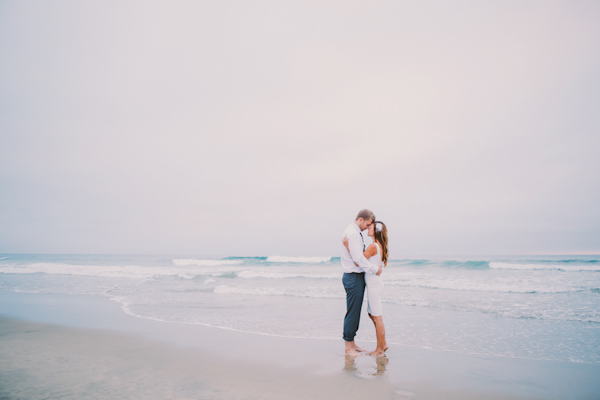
(544, 308)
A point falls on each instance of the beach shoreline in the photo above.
(82, 346)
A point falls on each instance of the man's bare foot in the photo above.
(359, 349)
(352, 349)
(353, 353)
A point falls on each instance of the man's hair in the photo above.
(366, 214)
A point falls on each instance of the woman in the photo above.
(377, 253)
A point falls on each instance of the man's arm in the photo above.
(355, 247)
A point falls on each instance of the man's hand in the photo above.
(379, 271)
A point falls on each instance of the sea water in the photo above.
(545, 307)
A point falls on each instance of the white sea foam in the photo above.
(186, 272)
(250, 274)
(106, 271)
(205, 262)
(536, 266)
(504, 286)
(269, 291)
(284, 259)
(319, 293)
(127, 308)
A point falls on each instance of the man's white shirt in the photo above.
(356, 246)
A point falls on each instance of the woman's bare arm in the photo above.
(345, 241)
(369, 252)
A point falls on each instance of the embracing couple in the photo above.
(362, 267)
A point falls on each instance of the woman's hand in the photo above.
(345, 241)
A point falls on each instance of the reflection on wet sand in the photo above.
(350, 364)
(366, 367)
(382, 363)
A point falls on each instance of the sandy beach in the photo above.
(85, 347)
(48, 361)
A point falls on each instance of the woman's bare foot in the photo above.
(377, 353)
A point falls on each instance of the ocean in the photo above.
(532, 307)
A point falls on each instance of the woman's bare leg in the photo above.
(380, 333)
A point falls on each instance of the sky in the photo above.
(261, 128)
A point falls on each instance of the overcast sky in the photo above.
(261, 127)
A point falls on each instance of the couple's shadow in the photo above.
(363, 365)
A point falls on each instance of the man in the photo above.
(355, 266)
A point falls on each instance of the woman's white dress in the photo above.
(375, 286)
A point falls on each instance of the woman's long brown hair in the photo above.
(382, 238)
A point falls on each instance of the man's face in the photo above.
(364, 223)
